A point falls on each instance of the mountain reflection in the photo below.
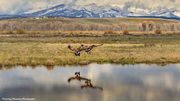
(121, 83)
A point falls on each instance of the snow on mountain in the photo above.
(138, 12)
(176, 13)
(96, 11)
(88, 11)
(164, 12)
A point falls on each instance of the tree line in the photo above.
(11, 25)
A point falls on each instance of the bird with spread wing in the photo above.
(87, 49)
(77, 77)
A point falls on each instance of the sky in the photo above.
(18, 6)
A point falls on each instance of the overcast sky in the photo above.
(16, 6)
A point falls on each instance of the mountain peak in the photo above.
(97, 11)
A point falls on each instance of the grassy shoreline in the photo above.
(120, 50)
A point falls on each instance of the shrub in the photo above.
(10, 32)
(172, 27)
(109, 32)
(20, 31)
(158, 31)
(125, 32)
(150, 27)
(144, 26)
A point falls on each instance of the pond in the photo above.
(110, 82)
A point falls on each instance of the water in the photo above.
(119, 83)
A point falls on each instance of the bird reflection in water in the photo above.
(77, 77)
(87, 84)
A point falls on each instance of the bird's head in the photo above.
(69, 46)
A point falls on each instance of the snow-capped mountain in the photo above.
(95, 11)
(164, 12)
(88, 11)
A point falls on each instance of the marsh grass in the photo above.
(55, 38)
(125, 47)
(49, 54)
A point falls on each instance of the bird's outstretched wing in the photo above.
(71, 48)
(83, 86)
(79, 49)
(71, 78)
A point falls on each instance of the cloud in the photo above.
(18, 6)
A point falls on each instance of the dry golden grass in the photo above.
(83, 33)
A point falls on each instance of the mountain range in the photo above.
(95, 11)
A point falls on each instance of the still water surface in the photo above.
(119, 82)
